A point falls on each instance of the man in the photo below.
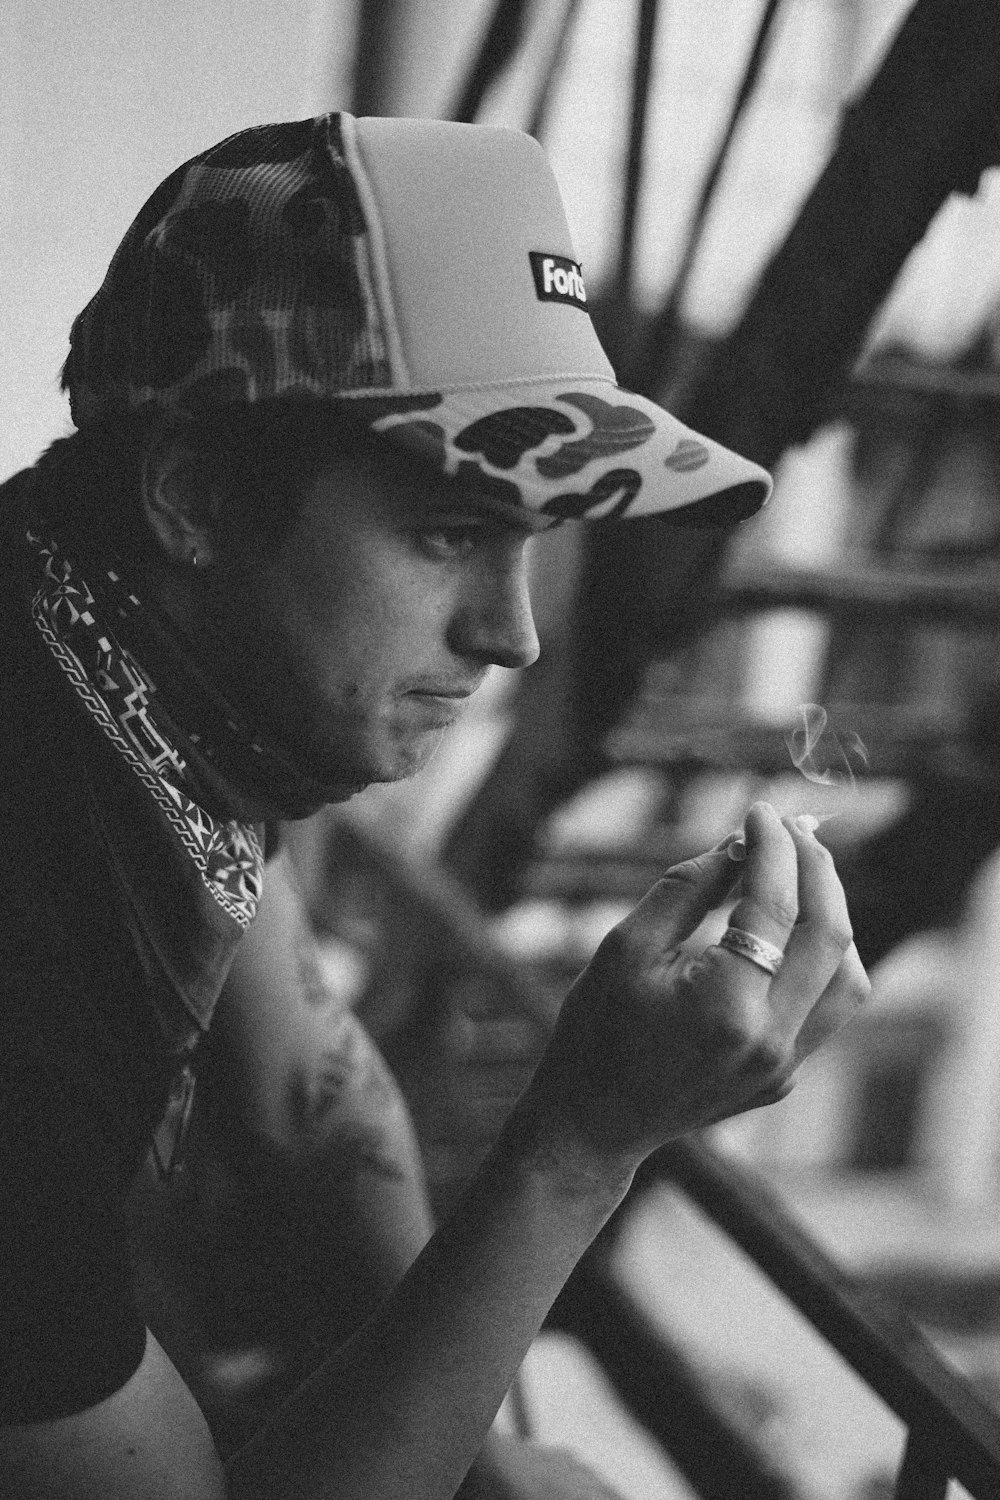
(338, 374)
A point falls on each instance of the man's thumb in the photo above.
(685, 894)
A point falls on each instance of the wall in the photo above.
(98, 102)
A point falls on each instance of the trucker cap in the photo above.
(421, 275)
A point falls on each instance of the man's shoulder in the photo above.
(37, 751)
(50, 882)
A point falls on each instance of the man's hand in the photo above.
(655, 1040)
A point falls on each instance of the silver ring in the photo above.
(765, 955)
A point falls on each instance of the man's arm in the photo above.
(304, 1112)
(651, 1043)
(318, 1137)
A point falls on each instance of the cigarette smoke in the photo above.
(823, 757)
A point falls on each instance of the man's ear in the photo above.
(181, 499)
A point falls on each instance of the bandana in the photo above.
(197, 729)
(187, 881)
(122, 700)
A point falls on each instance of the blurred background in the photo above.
(788, 214)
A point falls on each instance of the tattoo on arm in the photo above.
(313, 986)
(350, 1093)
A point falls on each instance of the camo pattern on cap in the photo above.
(244, 277)
(250, 274)
(515, 447)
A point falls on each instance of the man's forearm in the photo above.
(314, 1131)
(362, 1155)
(399, 1412)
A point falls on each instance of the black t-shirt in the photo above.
(109, 968)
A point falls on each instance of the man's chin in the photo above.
(400, 761)
(295, 813)
(335, 783)
(289, 806)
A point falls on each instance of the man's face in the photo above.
(360, 641)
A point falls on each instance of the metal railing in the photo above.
(951, 1432)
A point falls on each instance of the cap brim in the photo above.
(571, 450)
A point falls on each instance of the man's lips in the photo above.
(444, 689)
(437, 693)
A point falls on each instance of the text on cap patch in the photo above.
(557, 278)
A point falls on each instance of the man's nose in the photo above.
(495, 624)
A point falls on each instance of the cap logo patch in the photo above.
(557, 278)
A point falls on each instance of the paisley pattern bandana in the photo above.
(122, 701)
